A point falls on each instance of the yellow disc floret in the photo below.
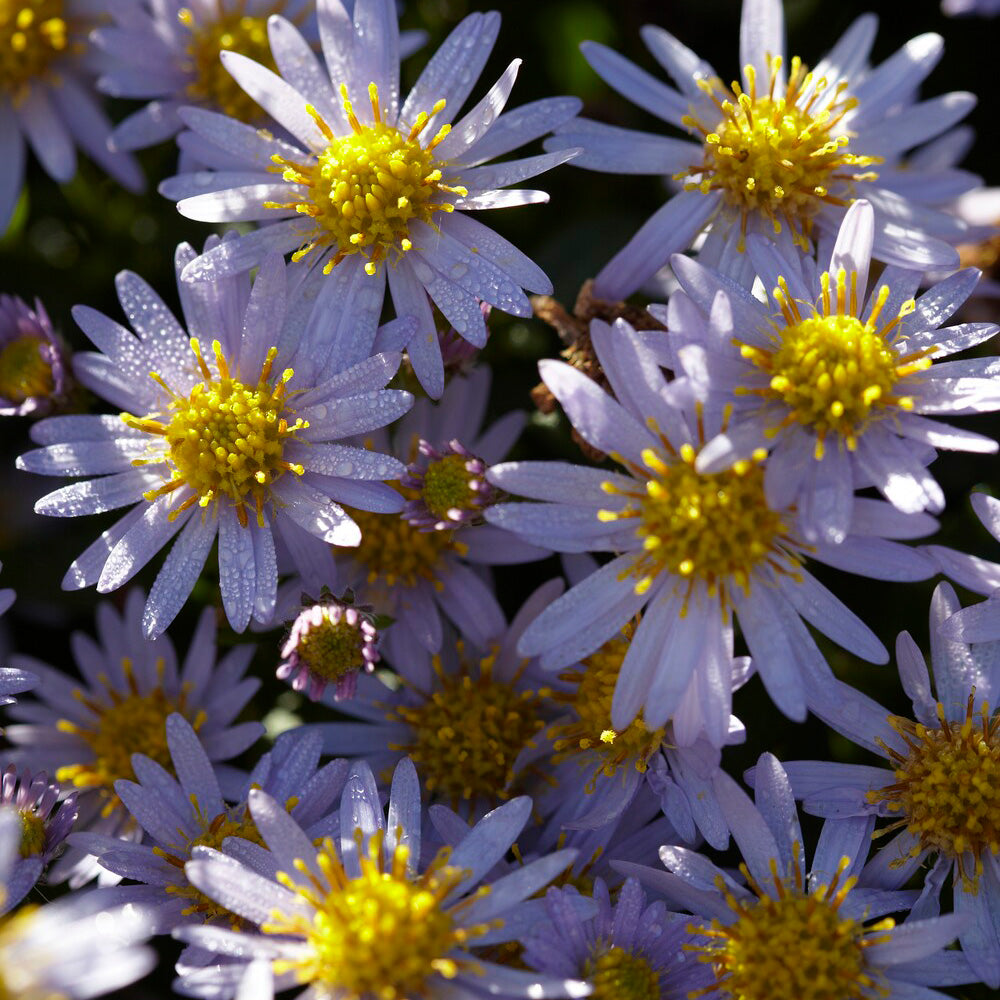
(124, 724)
(947, 787)
(212, 86)
(715, 529)
(446, 486)
(225, 439)
(792, 943)
(467, 733)
(772, 153)
(237, 823)
(24, 371)
(382, 934)
(833, 372)
(32, 34)
(589, 729)
(395, 553)
(33, 831)
(364, 189)
(617, 974)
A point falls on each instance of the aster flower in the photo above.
(85, 732)
(179, 814)
(791, 930)
(328, 643)
(696, 551)
(432, 917)
(33, 376)
(232, 430)
(781, 152)
(938, 783)
(830, 373)
(75, 948)
(963, 8)
(368, 186)
(44, 827)
(470, 719)
(46, 99)
(599, 770)
(630, 950)
(419, 577)
(171, 53)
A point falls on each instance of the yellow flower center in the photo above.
(446, 486)
(365, 188)
(395, 553)
(214, 832)
(793, 944)
(32, 833)
(212, 85)
(617, 974)
(225, 438)
(714, 529)
(467, 733)
(32, 34)
(947, 787)
(833, 372)
(383, 934)
(24, 372)
(124, 724)
(771, 153)
(589, 730)
(332, 648)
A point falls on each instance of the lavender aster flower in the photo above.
(328, 643)
(33, 374)
(628, 951)
(45, 96)
(316, 918)
(75, 948)
(367, 181)
(791, 930)
(44, 827)
(781, 152)
(695, 550)
(86, 732)
(599, 769)
(470, 719)
(179, 814)
(450, 486)
(232, 432)
(938, 784)
(963, 8)
(832, 374)
(420, 577)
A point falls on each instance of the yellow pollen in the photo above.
(125, 724)
(617, 974)
(212, 86)
(588, 730)
(24, 372)
(225, 439)
(395, 553)
(32, 834)
(467, 733)
(32, 34)
(716, 530)
(366, 187)
(792, 944)
(381, 935)
(446, 486)
(213, 833)
(773, 153)
(947, 787)
(834, 373)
